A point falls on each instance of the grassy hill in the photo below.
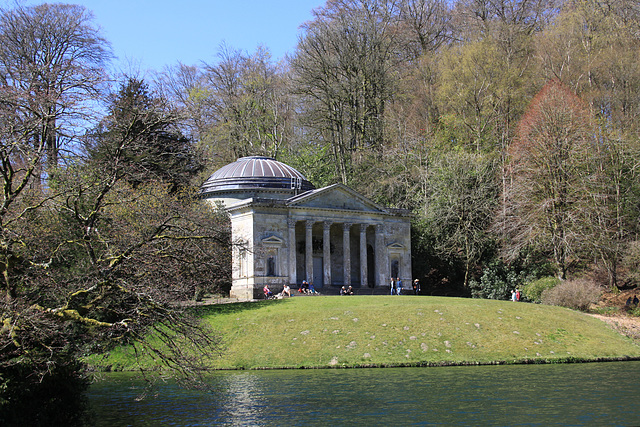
(326, 331)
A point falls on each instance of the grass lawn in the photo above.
(326, 331)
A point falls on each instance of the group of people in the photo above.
(268, 294)
(306, 288)
(395, 286)
(515, 295)
(346, 291)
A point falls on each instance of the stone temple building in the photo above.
(285, 231)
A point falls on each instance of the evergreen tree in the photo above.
(143, 133)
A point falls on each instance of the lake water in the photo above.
(593, 394)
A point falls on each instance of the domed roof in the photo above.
(258, 173)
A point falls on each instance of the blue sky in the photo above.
(155, 33)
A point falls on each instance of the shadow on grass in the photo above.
(234, 307)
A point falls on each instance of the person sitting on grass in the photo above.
(286, 291)
(267, 292)
(304, 287)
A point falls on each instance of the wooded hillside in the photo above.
(508, 127)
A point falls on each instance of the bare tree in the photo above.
(547, 201)
(425, 25)
(183, 86)
(54, 56)
(343, 68)
(235, 107)
(249, 102)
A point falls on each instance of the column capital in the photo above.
(291, 222)
(326, 225)
(309, 223)
(346, 225)
(363, 228)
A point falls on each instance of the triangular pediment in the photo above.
(272, 240)
(396, 246)
(337, 196)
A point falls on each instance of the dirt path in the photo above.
(626, 325)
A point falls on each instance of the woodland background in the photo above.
(509, 128)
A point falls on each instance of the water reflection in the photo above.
(243, 400)
(584, 394)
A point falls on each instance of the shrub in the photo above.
(497, 282)
(533, 291)
(576, 294)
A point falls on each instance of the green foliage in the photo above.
(315, 160)
(460, 206)
(240, 106)
(497, 282)
(635, 312)
(533, 290)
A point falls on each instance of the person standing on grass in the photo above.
(399, 286)
(416, 287)
(392, 285)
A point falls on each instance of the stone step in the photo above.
(335, 290)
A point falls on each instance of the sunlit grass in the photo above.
(327, 331)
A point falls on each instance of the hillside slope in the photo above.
(398, 330)
(352, 331)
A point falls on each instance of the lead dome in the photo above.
(256, 174)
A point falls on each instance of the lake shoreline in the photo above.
(395, 331)
(443, 364)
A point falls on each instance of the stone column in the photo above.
(381, 258)
(308, 252)
(293, 267)
(363, 255)
(346, 248)
(326, 252)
